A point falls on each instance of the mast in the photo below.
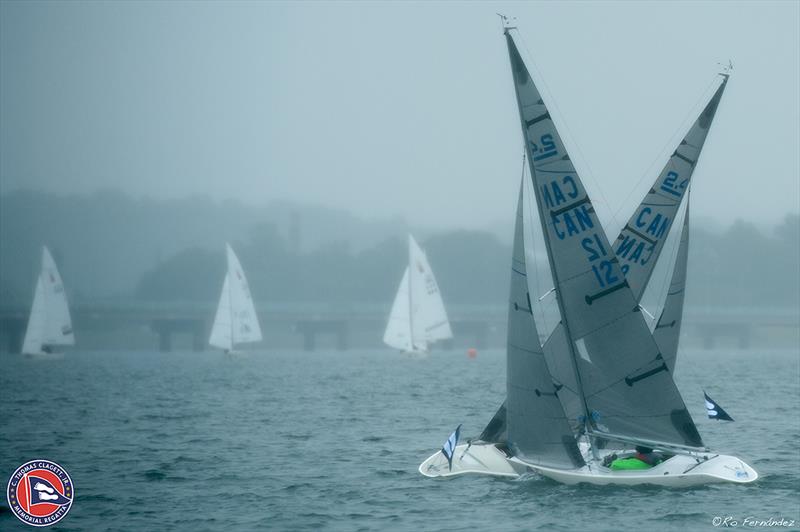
(553, 270)
(230, 302)
(410, 307)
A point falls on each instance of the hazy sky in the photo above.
(390, 109)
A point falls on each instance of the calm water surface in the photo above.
(302, 441)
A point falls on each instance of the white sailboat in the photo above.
(418, 317)
(49, 324)
(604, 360)
(236, 322)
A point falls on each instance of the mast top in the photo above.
(725, 70)
(509, 23)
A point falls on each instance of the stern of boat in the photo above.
(478, 458)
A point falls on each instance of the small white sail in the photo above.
(236, 321)
(418, 317)
(49, 323)
(430, 318)
(398, 330)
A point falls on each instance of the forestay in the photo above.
(626, 386)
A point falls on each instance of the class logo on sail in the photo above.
(40, 493)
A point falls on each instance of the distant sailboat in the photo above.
(605, 354)
(49, 325)
(418, 317)
(235, 322)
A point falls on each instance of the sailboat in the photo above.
(605, 360)
(418, 318)
(236, 322)
(49, 325)
(638, 248)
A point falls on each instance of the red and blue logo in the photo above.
(40, 493)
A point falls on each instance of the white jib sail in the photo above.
(236, 321)
(398, 330)
(49, 323)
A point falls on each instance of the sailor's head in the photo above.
(643, 450)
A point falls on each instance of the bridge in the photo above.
(131, 324)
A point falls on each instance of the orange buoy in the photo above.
(472, 352)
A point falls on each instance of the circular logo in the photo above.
(40, 493)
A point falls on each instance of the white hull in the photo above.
(678, 471)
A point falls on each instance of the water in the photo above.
(301, 441)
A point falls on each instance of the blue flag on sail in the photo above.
(715, 411)
(449, 447)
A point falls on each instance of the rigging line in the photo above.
(563, 123)
(529, 210)
(676, 244)
(682, 127)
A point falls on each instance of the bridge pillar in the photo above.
(165, 340)
(309, 340)
(198, 338)
(341, 337)
(15, 331)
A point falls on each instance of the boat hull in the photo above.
(678, 471)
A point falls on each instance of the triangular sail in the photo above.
(626, 389)
(222, 329)
(398, 329)
(236, 321)
(430, 321)
(640, 242)
(641, 263)
(537, 427)
(668, 327)
(32, 344)
(50, 323)
(418, 317)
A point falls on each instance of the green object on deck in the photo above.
(628, 464)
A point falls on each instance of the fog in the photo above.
(137, 138)
(394, 110)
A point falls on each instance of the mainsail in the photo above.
(641, 242)
(537, 426)
(236, 321)
(626, 388)
(49, 323)
(642, 238)
(418, 317)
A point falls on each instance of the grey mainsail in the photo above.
(668, 328)
(640, 242)
(625, 388)
(537, 426)
(653, 217)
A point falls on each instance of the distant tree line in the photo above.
(111, 245)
